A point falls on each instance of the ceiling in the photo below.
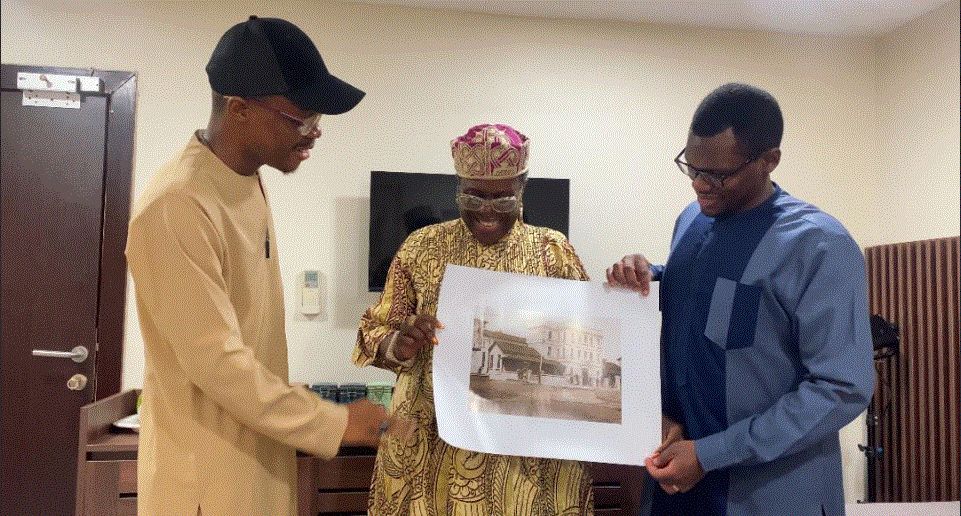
(836, 17)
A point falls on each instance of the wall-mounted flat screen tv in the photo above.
(403, 202)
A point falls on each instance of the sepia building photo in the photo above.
(545, 368)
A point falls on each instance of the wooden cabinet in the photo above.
(107, 460)
(340, 486)
(617, 489)
(107, 472)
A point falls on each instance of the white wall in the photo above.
(920, 128)
(605, 104)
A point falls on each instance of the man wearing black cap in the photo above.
(219, 421)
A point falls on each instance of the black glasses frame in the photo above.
(713, 177)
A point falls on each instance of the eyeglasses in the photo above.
(305, 126)
(500, 205)
(714, 178)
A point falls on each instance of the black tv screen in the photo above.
(401, 203)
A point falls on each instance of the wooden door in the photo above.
(64, 199)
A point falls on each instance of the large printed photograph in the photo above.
(528, 364)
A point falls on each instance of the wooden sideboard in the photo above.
(107, 459)
(107, 472)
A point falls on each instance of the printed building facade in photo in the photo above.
(553, 354)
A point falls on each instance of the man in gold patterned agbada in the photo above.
(422, 475)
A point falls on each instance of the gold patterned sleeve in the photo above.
(562, 260)
(398, 300)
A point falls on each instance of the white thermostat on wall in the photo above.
(310, 293)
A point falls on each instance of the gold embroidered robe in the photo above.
(423, 475)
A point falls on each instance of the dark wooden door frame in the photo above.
(120, 89)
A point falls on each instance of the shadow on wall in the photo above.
(351, 298)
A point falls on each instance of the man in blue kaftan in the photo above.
(766, 344)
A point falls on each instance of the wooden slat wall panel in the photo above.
(917, 286)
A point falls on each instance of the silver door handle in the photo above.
(77, 354)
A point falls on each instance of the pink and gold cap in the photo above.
(490, 151)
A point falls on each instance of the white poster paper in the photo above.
(546, 367)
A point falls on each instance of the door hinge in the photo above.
(52, 90)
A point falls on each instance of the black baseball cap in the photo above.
(270, 56)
